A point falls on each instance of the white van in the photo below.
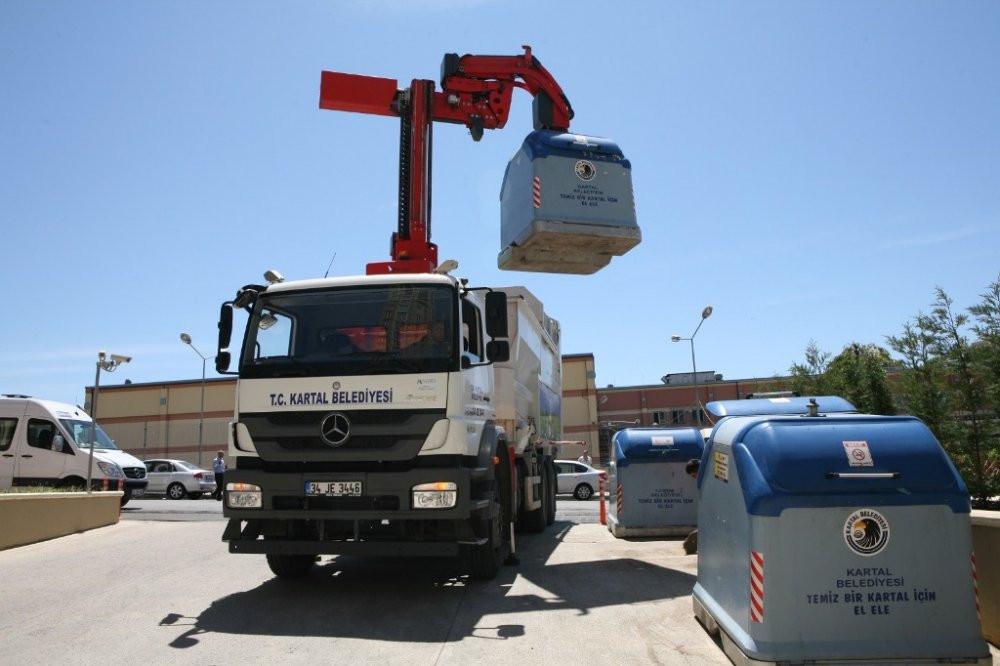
(45, 443)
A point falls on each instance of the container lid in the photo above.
(646, 445)
(542, 143)
(838, 460)
(828, 404)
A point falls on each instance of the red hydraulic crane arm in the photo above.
(476, 92)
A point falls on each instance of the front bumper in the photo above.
(386, 495)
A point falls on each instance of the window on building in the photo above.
(659, 418)
(677, 416)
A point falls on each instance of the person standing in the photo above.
(219, 468)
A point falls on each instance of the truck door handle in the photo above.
(863, 475)
(27, 455)
(8, 455)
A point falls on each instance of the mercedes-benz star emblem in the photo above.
(335, 429)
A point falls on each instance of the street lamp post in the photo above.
(108, 365)
(705, 314)
(186, 339)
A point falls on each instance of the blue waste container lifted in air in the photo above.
(649, 492)
(566, 205)
(829, 537)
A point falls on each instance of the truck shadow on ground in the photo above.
(430, 600)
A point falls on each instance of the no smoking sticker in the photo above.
(858, 454)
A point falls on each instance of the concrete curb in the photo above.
(986, 545)
(32, 517)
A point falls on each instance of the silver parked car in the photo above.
(178, 479)
(577, 478)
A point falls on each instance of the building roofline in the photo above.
(174, 382)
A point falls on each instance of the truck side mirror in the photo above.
(222, 360)
(222, 357)
(498, 351)
(496, 315)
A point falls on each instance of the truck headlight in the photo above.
(243, 496)
(436, 495)
(111, 470)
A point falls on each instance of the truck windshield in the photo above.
(352, 331)
(80, 432)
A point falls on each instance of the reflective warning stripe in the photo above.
(621, 498)
(756, 587)
(536, 192)
(975, 586)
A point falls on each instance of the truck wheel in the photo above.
(290, 566)
(535, 521)
(484, 560)
(583, 492)
(126, 496)
(176, 491)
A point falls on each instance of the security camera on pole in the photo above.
(108, 365)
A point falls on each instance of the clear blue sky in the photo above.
(810, 169)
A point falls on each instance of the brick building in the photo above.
(162, 420)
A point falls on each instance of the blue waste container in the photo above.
(566, 205)
(649, 492)
(834, 538)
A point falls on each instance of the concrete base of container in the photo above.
(549, 246)
(620, 531)
(740, 658)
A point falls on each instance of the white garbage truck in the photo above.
(404, 412)
(390, 415)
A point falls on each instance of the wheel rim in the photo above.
(583, 492)
(176, 491)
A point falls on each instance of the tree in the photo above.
(985, 356)
(969, 391)
(922, 381)
(809, 378)
(857, 374)
(952, 384)
(986, 352)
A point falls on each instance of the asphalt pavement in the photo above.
(161, 588)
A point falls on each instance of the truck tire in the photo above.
(484, 559)
(535, 521)
(290, 566)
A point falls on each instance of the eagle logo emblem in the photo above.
(585, 170)
(866, 532)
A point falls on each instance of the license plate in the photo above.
(335, 488)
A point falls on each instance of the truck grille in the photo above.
(390, 434)
(134, 472)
